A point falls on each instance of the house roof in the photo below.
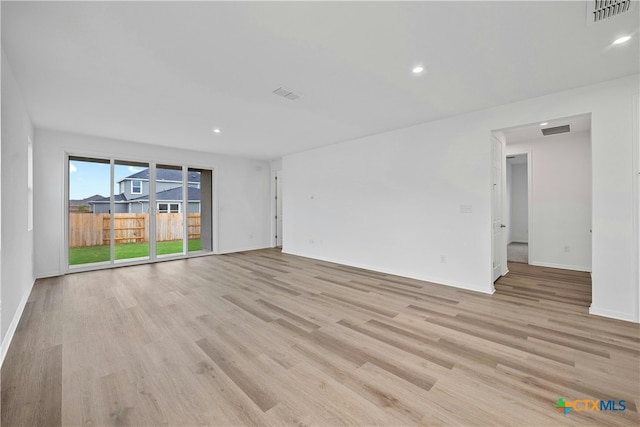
(164, 175)
(172, 194)
(86, 200)
(102, 199)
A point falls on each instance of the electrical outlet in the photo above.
(567, 249)
(443, 259)
(466, 208)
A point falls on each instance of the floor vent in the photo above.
(285, 92)
(556, 130)
(600, 10)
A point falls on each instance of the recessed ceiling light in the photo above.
(544, 124)
(418, 69)
(216, 130)
(622, 40)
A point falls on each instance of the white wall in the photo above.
(519, 203)
(391, 202)
(17, 257)
(561, 200)
(241, 192)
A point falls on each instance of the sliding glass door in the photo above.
(122, 211)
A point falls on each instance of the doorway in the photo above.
(547, 204)
(558, 157)
(517, 206)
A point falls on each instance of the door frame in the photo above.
(530, 234)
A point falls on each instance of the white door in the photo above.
(278, 217)
(496, 207)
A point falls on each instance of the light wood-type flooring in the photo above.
(538, 284)
(263, 338)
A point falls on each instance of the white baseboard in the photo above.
(242, 249)
(612, 314)
(561, 266)
(46, 275)
(14, 324)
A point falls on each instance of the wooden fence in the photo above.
(89, 229)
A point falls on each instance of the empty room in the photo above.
(320, 213)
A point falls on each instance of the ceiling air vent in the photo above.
(556, 130)
(285, 92)
(600, 10)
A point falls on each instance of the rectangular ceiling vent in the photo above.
(556, 130)
(285, 92)
(600, 10)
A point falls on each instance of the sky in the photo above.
(87, 178)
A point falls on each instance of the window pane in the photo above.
(131, 212)
(89, 219)
(169, 219)
(199, 210)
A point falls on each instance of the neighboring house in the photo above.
(84, 205)
(134, 193)
(102, 205)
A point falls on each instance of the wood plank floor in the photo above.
(546, 284)
(263, 338)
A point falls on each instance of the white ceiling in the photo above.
(169, 72)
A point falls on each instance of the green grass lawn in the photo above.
(90, 254)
